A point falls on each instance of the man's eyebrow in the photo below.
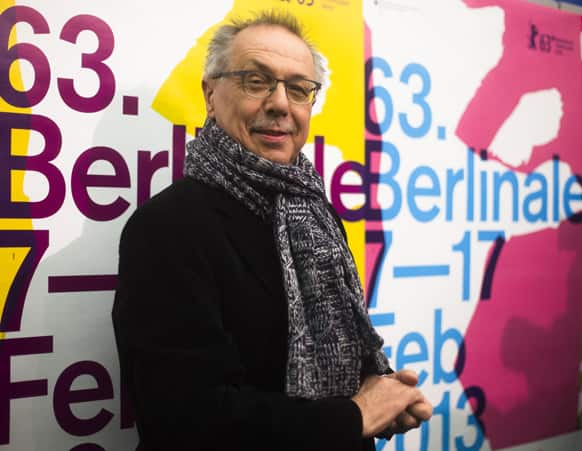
(263, 68)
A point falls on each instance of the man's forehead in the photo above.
(265, 44)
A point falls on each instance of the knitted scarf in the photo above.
(331, 342)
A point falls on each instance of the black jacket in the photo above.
(200, 319)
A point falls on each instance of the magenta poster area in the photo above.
(467, 191)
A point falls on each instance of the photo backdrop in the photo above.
(449, 137)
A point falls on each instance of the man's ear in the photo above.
(208, 90)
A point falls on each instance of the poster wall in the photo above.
(450, 143)
(477, 105)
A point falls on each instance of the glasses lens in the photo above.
(257, 84)
(301, 91)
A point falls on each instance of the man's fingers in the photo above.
(407, 377)
(408, 421)
(421, 410)
(405, 422)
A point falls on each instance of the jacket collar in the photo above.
(246, 232)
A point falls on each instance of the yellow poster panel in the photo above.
(11, 258)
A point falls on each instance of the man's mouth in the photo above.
(270, 132)
(271, 136)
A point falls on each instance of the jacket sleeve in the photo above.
(182, 368)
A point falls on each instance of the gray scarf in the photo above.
(331, 342)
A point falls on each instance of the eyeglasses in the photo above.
(261, 85)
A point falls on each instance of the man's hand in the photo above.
(391, 403)
(416, 413)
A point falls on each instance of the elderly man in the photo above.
(239, 316)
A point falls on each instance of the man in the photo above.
(239, 315)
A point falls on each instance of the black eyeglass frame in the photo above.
(243, 73)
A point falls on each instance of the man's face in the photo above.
(272, 127)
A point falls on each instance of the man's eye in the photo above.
(297, 89)
(257, 79)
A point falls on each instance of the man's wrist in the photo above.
(360, 402)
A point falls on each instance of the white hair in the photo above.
(220, 44)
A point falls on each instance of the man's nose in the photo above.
(277, 102)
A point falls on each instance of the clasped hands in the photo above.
(391, 404)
